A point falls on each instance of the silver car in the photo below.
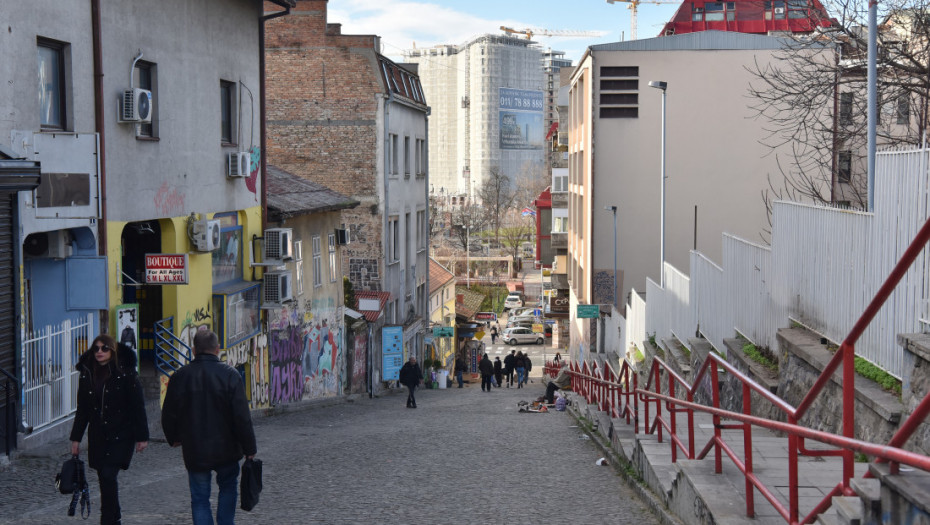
(522, 335)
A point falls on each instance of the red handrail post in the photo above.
(673, 429)
(715, 400)
(747, 452)
(793, 472)
(849, 409)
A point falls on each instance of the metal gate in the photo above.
(49, 378)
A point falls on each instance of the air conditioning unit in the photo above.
(54, 244)
(135, 106)
(238, 164)
(779, 10)
(279, 245)
(206, 235)
(342, 237)
(277, 288)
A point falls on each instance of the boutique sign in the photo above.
(166, 268)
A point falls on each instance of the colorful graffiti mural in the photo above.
(306, 354)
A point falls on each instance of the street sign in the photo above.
(443, 331)
(537, 312)
(589, 311)
(538, 328)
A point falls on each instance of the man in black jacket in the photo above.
(410, 376)
(207, 414)
(509, 367)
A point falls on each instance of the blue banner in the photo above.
(392, 352)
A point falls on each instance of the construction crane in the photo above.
(529, 32)
(632, 7)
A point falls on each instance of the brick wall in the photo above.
(322, 112)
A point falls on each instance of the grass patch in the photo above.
(685, 349)
(869, 371)
(861, 458)
(638, 355)
(763, 356)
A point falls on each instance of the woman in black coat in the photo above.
(109, 401)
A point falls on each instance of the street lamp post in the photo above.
(659, 84)
(613, 209)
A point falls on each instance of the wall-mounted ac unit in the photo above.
(779, 10)
(277, 289)
(238, 164)
(206, 235)
(54, 244)
(342, 237)
(279, 245)
(135, 106)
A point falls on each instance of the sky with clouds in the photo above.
(402, 23)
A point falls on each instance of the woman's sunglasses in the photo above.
(101, 348)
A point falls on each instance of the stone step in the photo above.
(848, 509)
(870, 492)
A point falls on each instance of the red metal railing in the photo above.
(619, 395)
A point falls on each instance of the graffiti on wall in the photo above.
(194, 321)
(255, 160)
(359, 363)
(169, 201)
(306, 354)
(251, 356)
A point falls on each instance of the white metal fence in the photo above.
(824, 266)
(49, 377)
(635, 322)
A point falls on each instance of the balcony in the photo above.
(559, 241)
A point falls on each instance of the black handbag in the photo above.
(68, 481)
(250, 485)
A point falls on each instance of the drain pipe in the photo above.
(286, 4)
(99, 127)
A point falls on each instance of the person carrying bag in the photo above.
(250, 486)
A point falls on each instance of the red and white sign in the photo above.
(166, 268)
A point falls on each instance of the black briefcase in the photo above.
(250, 485)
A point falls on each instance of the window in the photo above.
(236, 313)
(844, 166)
(227, 258)
(53, 110)
(420, 155)
(407, 236)
(228, 113)
(421, 230)
(777, 7)
(393, 153)
(317, 261)
(407, 157)
(393, 240)
(903, 110)
(299, 267)
(559, 224)
(332, 257)
(846, 103)
(144, 77)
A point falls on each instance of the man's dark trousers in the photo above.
(411, 401)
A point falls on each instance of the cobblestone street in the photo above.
(463, 456)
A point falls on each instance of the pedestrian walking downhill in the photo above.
(487, 370)
(207, 414)
(459, 369)
(110, 402)
(493, 334)
(519, 362)
(528, 365)
(498, 371)
(509, 366)
(410, 376)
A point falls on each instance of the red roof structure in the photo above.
(382, 298)
(748, 16)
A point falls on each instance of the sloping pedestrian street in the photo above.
(463, 456)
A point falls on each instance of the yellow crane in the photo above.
(529, 32)
(632, 7)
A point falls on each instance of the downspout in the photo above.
(388, 163)
(261, 96)
(427, 321)
(101, 148)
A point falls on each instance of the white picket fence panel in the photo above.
(635, 321)
(50, 380)
(710, 308)
(823, 268)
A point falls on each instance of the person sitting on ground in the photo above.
(562, 380)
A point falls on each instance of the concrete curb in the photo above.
(649, 498)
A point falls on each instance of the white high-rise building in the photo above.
(488, 111)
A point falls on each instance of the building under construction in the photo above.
(488, 111)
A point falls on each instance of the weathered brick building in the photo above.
(342, 115)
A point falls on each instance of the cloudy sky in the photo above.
(401, 23)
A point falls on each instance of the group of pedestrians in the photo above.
(520, 363)
(205, 412)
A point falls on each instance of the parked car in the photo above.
(526, 310)
(517, 319)
(522, 335)
(513, 301)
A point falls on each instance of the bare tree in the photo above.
(812, 98)
(517, 229)
(467, 221)
(496, 195)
